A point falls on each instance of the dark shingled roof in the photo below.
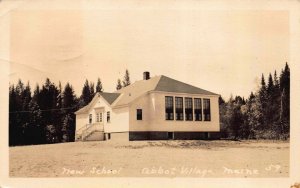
(170, 85)
(110, 97)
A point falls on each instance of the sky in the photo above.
(217, 50)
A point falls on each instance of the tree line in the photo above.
(46, 115)
(265, 114)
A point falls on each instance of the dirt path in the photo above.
(152, 158)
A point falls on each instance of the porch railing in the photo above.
(89, 129)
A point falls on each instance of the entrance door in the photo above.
(99, 118)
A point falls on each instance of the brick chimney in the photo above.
(146, 75)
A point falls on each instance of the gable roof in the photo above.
(129, 93)
(170, 85)
(109, 97)
(135, 90)
(157, 83)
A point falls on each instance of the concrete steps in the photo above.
(95, 136)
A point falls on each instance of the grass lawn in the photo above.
(174, 158)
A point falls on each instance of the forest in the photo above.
(265, 114)
(46, 114)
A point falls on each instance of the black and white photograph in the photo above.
(187, 93)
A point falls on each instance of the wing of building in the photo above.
(154, 108)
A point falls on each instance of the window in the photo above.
(206, 109)
(108, 117)
(169, 108)
(198, 109)
(170, 135)
(139, 114)
(90, 118)
(100, 117)
(188, 109)
(97, 117)
(179, 108)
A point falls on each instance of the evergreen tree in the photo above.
(34, 133)
(25, 116)
(221, 100)
(69, 99)
(68, 122)
(92, 91)
(270, 107)
(275, 100)
(263, 98)
(51, 121)
(270, 88)
(119, 85)
(86, 93)
(248, 129)
(15, 131)
(68, 128)
(36, 94)
(285, 101)
(99, 87)
(126, 80)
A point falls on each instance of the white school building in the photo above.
(156, 108)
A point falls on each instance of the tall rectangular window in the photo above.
(179, 108)
(188, 109)
(206, 109)
(169, 108)
(97, 117)
(90, 118)
(198, 109)
(100, 117)
(139, 114)
(108, 116)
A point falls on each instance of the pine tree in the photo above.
(51, 115)
(92, 90)
(68, 128)
(69, 98)
(270, 88)
(285, 101)
(36, 94)
(68, 121)
(270, 107)
(15, 131)
(276, 104)
(119, 85)
(263, 98)
(34, 133)
(99, 87)
(25, 117)
(86, 93)
(126, 80)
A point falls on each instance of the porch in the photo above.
(90, 132)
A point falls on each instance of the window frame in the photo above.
(169, 108)
(198, 116)
(108, 116)
(188, 101)
(179, 115)
(139, 114)
(206, 116)
(97, 118)
(100, 117)
(90, 118)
